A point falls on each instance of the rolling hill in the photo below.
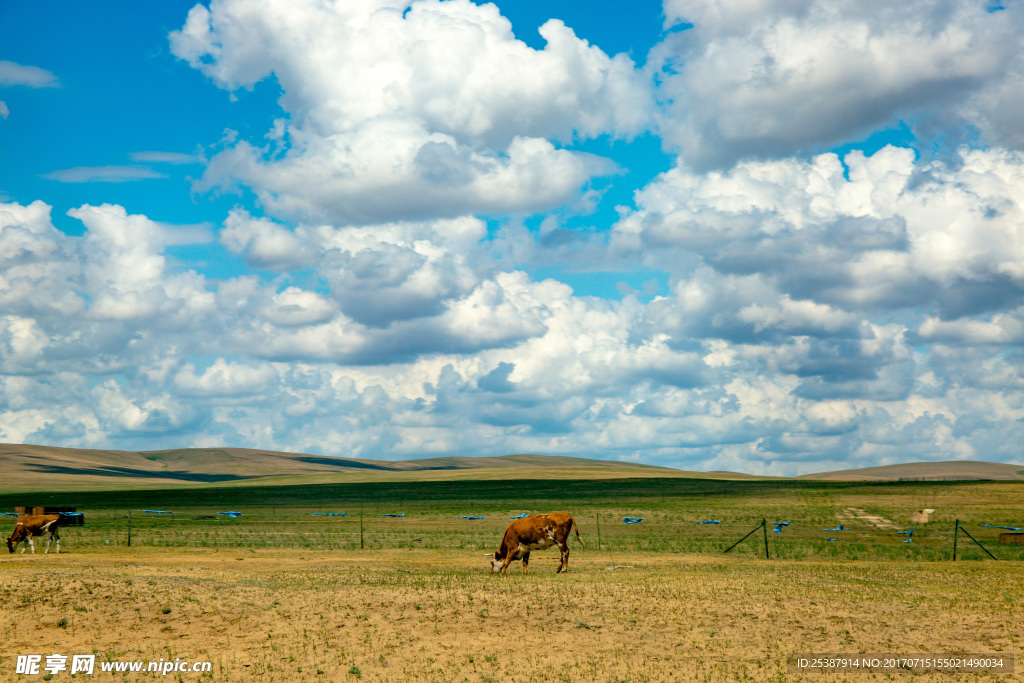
(30, 467)
(951, 470)
(49, 468)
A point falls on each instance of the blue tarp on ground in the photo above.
(710, 521)
(830, 539)
(470, 517)
(332, 514)
(159, 512)
(779, 525)
(70, 514)
(230, 513)
(518, 516)
(838, 528)
(908, 533)
(391, 515)
(8, 514)
(632, 520)
(1011, 528)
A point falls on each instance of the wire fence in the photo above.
(601, 532)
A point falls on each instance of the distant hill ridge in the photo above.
(34, 467)
(950, 470)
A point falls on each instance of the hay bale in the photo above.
(66, 520)
(921, 516)
(1015, 539)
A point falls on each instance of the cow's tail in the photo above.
(576, 527)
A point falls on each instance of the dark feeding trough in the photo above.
(68, 516)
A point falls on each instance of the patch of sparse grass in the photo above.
(670, 508)
(348, 615)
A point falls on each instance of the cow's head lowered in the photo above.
(497, 560)
(19, 535)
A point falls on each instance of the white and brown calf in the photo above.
(36, 525)
(535, 533)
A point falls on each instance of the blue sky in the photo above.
(777, 237)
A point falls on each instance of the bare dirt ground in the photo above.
(274, 615)
(857, 513)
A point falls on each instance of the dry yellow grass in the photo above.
(48, 468)
(417, 615)
(951, 470)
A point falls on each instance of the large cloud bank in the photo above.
(399, 111)
(821, 312)
(774, 77)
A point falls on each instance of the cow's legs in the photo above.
(563, 565)
(526, 561)
(30, 545)
(507, 562)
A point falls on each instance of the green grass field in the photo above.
(283, 594)
(284, 516)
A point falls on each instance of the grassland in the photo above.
(951, 470)
(283, 594)
(29, 468)
(872, 514)
(424, 615)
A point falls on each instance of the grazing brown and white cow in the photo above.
(535, 533)
(35, 525)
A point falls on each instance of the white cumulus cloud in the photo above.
(404, 110)
(771, 78)
(12, 73)
(225, 379)
(886, 232)
(810, 310)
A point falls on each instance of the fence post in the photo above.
(598, 520)
(749, 534)
(129, 528)
(764, 525)
(956, 532)
(978, 542)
